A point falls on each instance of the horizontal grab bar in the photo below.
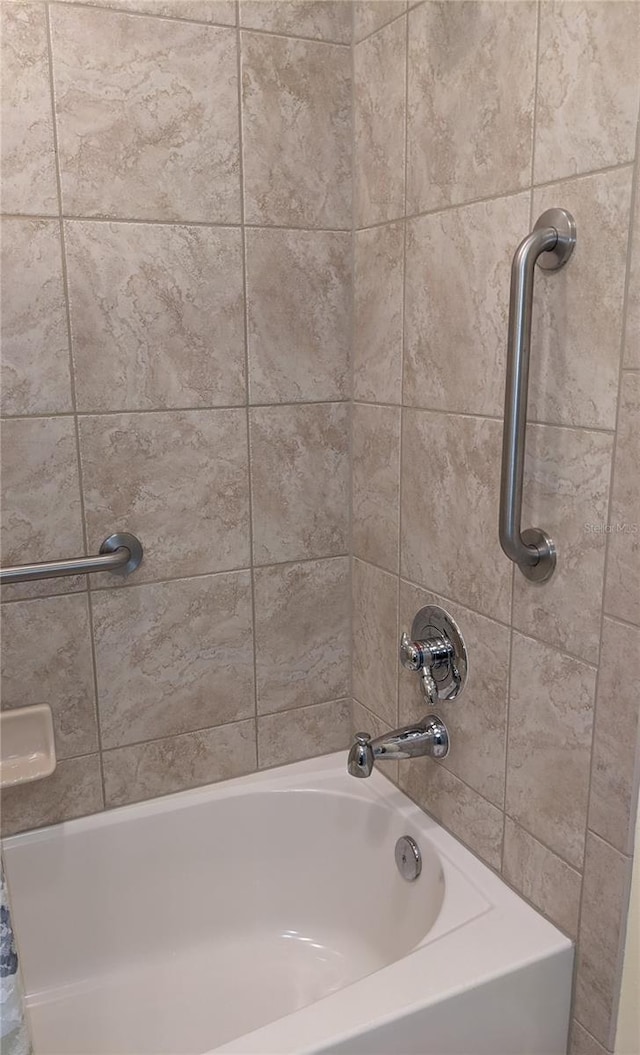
(121, 551)
(550, 245)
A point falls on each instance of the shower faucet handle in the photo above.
(436, 651)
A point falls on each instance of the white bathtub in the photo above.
(267, 915)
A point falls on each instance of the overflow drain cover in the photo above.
(408, 858)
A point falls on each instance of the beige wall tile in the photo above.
(320, 19)
(28, 158)
(622, 586)
(299, 304)
(41, 515)
(588, 81)
(221, 11)
(632, 332)
(605, 895)
(300, 481)
(166, 110)
(549, 747)
(370, 15)
(465, 813)
(378, 313)
(449, 533)
(471, 81)
(296, 132)
(178, 480)
(173, 657)
(376, 484)
(379, 125)
(35, 341)
(161, 767)
(457, 305)
(616, 744)
(302, 633)
(375, 640)
(477, 720)
(46, 658)
(157, 315)
(577, 313)
(544, 879)
(566, 492)
(582, 1043)
(303, 733)
(73, 790)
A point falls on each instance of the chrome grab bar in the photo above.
(121, 551)
(550, 245)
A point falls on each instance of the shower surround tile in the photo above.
(220, 11)
(157, 315)
(28, 157)
(478, 723)
(328, 20)
(178, 480)
(41, 512)
(468, 142)
(74, 789)
(375, 640)
(33, 327)
(376, 484)
(46, 658)
(378, 312)
(379, 123)
(296, 132)
(588, 86)
(548, 777)
(632, 332)
(582, 1043)
(299, 303)
(622, 587)
(578, 312)
(607, 875)
(173, 657)
(303, 733)
(161, 767)
(544, 879)
(302, 633)
(368, 16)
(442, 546)
(457, 306)
(166, 110)
(300, 481)
(567, 474)
(616, 741)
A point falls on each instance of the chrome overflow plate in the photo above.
(437, 652)
(408, 858)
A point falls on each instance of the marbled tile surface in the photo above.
(178, 480)
(157, 315)
(73, 790)
(220, 11)
(375, 640)
(319, 19)
(471, 81)
(548, 778)
(379, 125)
(28, 158)
(369, 16)
(173, 657)
(33, 322)
(544, 879)
(588, 86)
(300, 481)
(296, 132)
(166, 110)
(378, 294)
(46, 658)
(376, 484)
(632, 332)
(302, 633)
(622, 587)
(303, 733)
(299, 302)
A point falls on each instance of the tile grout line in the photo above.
(72, 388)
(351, 351)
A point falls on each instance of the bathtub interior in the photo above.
(179, 926)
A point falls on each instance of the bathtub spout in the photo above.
(428, 737)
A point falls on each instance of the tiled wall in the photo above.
(176, 310)
(470, 120)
